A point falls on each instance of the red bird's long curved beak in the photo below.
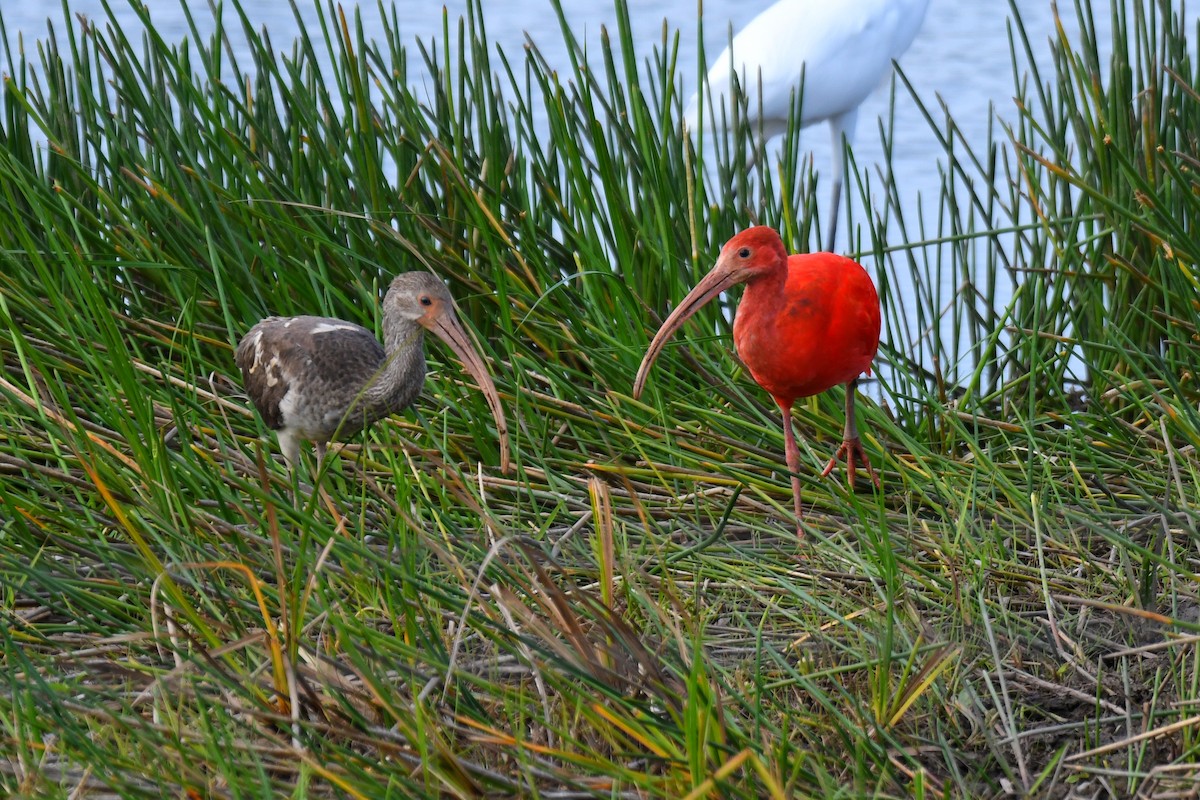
(720, 278)
(445, 326)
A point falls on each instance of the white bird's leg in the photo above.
(758, 154)
(841, 129)
(851, 448)
(792, 455)
(834, 202)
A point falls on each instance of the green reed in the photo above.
(627, 613)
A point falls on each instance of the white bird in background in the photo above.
(840, 50)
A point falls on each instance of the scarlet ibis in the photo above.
(840, 50)
(805, 324)
(321, 379)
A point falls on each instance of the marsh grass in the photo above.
(627, 613)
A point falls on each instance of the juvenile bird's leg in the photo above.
(851, 448)
(289, 445)
(792, 455)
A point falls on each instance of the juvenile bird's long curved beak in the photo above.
(720, 278)
(447, 328)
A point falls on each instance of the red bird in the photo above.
(805, 324)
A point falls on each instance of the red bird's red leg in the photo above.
(851, 448)
(792, 455)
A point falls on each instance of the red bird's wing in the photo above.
(821, 330)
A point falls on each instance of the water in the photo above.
(961, 54)
(960, 58)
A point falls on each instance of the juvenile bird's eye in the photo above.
(425, 301)
(744, 252)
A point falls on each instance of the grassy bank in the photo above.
(627, 613)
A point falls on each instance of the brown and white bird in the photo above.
(321, 379)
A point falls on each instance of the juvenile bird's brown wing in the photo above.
(330, 358)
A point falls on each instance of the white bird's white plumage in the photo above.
(839, 50)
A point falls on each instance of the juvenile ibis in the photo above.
(805, 324)
(840, 50)
(321, 379)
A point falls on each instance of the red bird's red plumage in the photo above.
(806, 323)
(820, 329)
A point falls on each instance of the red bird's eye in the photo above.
(425, 301)
(744, 252)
